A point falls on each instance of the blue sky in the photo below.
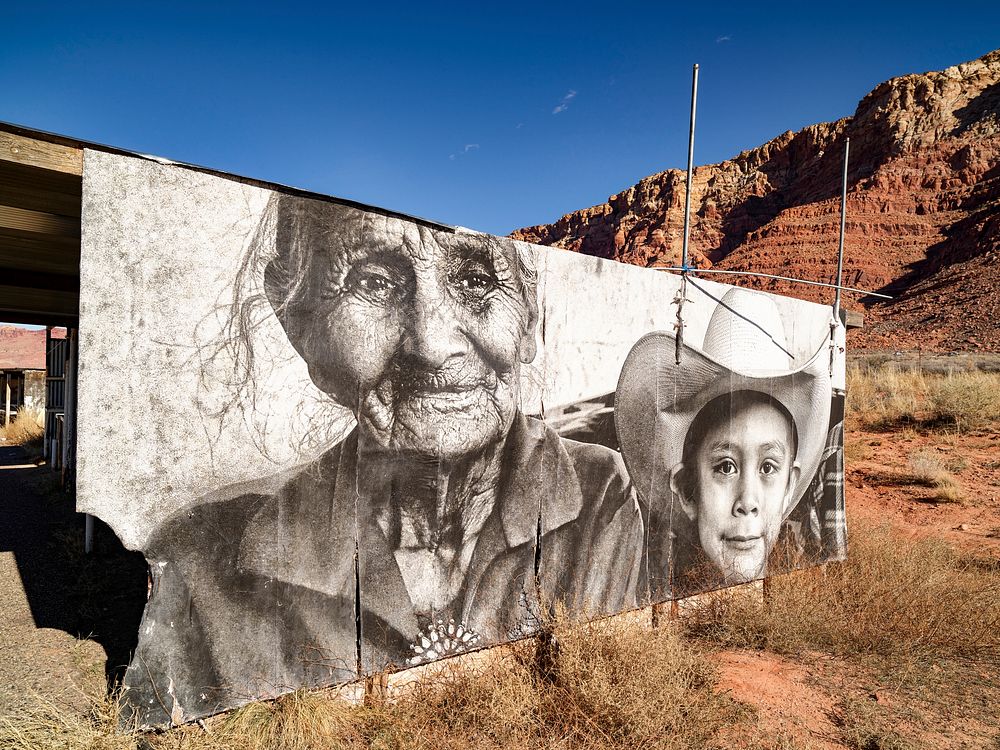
(492, 116)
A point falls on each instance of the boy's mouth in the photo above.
(740, 542)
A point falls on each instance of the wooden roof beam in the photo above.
(41, 154)
(38, 222)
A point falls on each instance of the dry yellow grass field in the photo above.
(899, 645)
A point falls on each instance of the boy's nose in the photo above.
(748, 499)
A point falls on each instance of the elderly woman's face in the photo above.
(419, 332)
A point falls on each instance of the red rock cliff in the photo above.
(923, 211)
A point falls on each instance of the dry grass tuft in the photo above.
(864, 727)
(609, 685)
(44, 725)
(927, 469)
(894, 598)
(26, 429)
(890, 397)
(965, 400)
(598, 692)
(301, 720)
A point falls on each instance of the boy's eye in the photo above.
(727, 467)
(769, 468)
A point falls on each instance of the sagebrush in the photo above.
(888, 397)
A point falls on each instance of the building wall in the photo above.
(34, 389)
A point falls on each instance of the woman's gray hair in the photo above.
(275, 271)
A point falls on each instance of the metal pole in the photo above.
(88, 533)
(843, 227)
(774, 276)
(69, 401)
(679, 339)
(690, 169)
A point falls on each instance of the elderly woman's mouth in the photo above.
(425, 400)
(446, 399)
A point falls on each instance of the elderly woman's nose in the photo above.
(434, 330)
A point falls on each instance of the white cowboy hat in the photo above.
(744, 350)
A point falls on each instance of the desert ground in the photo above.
(897, 648)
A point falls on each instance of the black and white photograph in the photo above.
(723, 442)
(397, 441)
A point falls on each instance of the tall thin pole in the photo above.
(690, 169)
(843, 227)
(679, 339)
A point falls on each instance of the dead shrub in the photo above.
(608, 686)
(26, 429)
(892, 598)
(864, 727)
(889, 397)
(965, 400)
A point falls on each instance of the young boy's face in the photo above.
(744, 471)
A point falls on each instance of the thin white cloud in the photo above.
(563, 104)
(721, 39)
(465, 149)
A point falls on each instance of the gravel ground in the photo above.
(67, 621)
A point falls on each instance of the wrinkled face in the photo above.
(744, 471)
(420, 332)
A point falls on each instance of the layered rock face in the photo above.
(923, 212)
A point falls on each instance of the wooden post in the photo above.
(376, 689)
(6, 414)
(69, 407)
(656, 617)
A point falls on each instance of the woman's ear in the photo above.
(677, 487)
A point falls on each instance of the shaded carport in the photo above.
(99, 597)
(41, 182)
(40, 199)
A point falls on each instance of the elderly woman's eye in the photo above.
(372, 282)
(375, 284)
(475, 282)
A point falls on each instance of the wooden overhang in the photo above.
(40, 195)
(41, 184)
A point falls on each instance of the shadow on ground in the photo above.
(98, 596)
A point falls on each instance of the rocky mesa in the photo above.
(923, 212)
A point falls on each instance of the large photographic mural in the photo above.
(347, 440)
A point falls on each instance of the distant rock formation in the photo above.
(21, 348)
(923, 211)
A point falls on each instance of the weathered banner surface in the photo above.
(347, 440)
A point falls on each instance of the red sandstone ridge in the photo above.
(923, 211)
(23, 348)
